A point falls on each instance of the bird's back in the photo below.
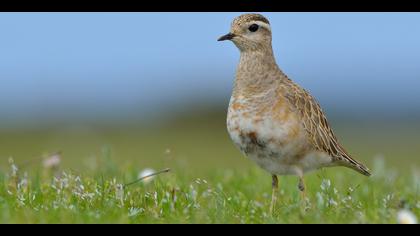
(314, 121)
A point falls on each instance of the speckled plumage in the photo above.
(248, 18)
(273, 120)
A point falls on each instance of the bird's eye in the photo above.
(253, 27)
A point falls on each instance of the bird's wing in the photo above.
(315, 123)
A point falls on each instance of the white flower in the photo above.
(119, 193)
(23, 184)
(193, 194)
(52, 161)
(326, 184)
(331, 202)
(134, 211)
(13, 167)
(146, 172)
(406, 217)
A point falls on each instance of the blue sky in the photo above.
(71, 64)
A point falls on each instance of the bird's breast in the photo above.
(268, 130)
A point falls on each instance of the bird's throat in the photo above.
(256, 72)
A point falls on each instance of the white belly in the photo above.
(278, 147)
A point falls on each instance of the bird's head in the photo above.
(249, 32)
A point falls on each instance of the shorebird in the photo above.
(271, 119)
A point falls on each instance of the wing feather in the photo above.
(315, 123)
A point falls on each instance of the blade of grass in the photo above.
(147, 176)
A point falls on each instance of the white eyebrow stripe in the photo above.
(260, 23)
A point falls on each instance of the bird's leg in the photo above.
(298, 171)
(275, 186)
(302, 188)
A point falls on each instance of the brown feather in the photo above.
(315, 123)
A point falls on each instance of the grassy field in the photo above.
(209, 181)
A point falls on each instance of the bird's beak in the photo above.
(228, 36)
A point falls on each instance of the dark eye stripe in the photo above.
(253, 27)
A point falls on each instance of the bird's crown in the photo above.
(245, 18)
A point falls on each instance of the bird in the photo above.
(272, 120)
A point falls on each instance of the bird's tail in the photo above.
(347, 161)
(357, 166)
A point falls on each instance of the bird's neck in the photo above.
(256, 73)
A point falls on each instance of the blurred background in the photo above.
(152, 89)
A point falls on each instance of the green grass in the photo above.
(224, 196)
(209, 182)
